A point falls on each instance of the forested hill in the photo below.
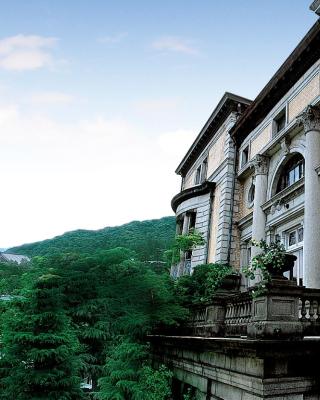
(148, 238)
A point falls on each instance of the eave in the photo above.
(299, 61)
(225, 107)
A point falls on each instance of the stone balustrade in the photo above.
(286, 311)
(238, 314)
(309, 311)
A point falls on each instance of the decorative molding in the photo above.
(260, 164)
(186, 194)
(245, 221)
(283, 197)
(285, 146)
(310, 119)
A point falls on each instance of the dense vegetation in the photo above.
(81, 310)
(148, 239)
(79, 316)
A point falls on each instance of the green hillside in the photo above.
(148, 238)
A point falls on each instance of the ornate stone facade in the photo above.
(264, 175)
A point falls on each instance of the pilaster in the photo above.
(310, 120)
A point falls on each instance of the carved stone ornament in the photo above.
(285, 146)
(310, 119)
(260, 164)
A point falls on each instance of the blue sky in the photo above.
(99, 100)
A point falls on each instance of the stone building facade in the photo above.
(253, 172)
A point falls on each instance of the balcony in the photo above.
(285, 311)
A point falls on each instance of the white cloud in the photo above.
(48, 98)
(117, 38)
(174, 44)
(176, 143)
(87, 173)
(26, 52)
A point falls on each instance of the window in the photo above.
(244, 156)
(204, 170)
(251, 195)
(294, 245)
(192, 220)
(279, 122)
(201, 173)
(292, 171)
(197, 180)
(295, 237)
(187, 262)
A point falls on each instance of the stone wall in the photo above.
(304, 97)
(216, 153)
(261, 140)
(241, 369)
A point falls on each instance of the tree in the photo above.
(139, 300)
(39, 356)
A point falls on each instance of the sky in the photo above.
(100, 99)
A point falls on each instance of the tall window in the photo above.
(292, 171)
(201, 173)
(279, 122)
(244, 156)
(192, 220)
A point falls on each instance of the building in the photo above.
(253, 171)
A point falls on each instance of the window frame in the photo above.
(285, 179)
(245, 156)
(276, 127)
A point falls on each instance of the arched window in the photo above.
(251, 195)
(291, 172)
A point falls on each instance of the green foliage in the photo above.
(202, 284)
(155, 383)
(11, 277)
(39, 355)
(127, 376)
(138, 300)
(183, 243)
(148, 239)
(101, 299)
(272, 256)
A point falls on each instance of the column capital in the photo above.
(310, 119)
(260, 164)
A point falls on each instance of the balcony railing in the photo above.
(285, 311)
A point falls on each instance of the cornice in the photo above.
(299, 61)
(194, 191)
(228, 104)
(284, 196)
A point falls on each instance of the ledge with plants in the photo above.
(270, 264)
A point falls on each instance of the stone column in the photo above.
(310, 119)
(260, 164)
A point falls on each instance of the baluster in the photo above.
(227, 314)
(299, 308)
(303, 309)
(242, 310)
(250, 310)
(318, 311)
(232, 314)
(311, 311)
(236, 313)
(308, 309)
